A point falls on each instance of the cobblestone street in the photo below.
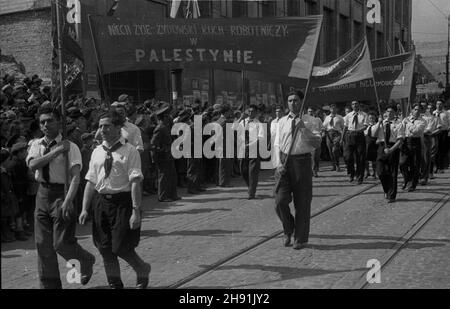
(187, 237)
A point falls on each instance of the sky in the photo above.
(429, 24)
(430, 32)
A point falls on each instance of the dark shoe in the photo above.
(168, 200)
(333, 169)
(299, 246)
(251, 197)
(360, 182)
(405, 185)
(143, 278)
(423, 182)
(391, 201)
(287, 240)
(87, 269)
(20, 235)
(116, 286)
(192, 191)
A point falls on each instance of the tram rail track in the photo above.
(214, 266)
(403, 241)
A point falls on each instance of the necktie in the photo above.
(332, 122)
(355, 121)
(293, 126)
(388, 133)
(46, 168)
(109, 159)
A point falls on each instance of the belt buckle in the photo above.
(108, 196)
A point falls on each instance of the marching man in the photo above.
(115, 173)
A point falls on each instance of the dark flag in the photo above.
(72, 54)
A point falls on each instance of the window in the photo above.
(293, 8)
(224, 8)
(371, 41)
(344, 34)
(312, 8)
(205, 9)
(268, 8)
(240, 8)
(357, 32)
(329, 32)
(380, 45)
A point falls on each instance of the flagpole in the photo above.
(63, 105)
(311, 70)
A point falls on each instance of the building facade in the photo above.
(345, 24)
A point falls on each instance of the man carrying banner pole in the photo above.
(55, 218)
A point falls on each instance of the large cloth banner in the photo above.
(279, 46)
(393, 78)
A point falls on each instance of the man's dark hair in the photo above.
(417, 105)
(46, 110)
(115, 117)
(372, 113)
(254, 106)
(393, 106)
(298, 93)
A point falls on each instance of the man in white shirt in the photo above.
(390, 139)
(55, 218)
(334, 128)
(273, 130)
(115, 174)
(294, 173)
(411, 152)
(356, 123)
(251, 164)
(315, 125)
(443, 139)
(429, 144)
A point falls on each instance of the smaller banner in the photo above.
(393, 78)
(72, 54)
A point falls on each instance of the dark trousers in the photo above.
(316, 159)
(148, 171)
(194, 170)
(113, 236)
(333, 139)
(356, 150)
(224, 169)
(167, 180)
(295, 184)
(250, 172)
(442, 155)
(426, 165)
(434, 152)
(387, 170)
(54, 235)
(410, 161)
